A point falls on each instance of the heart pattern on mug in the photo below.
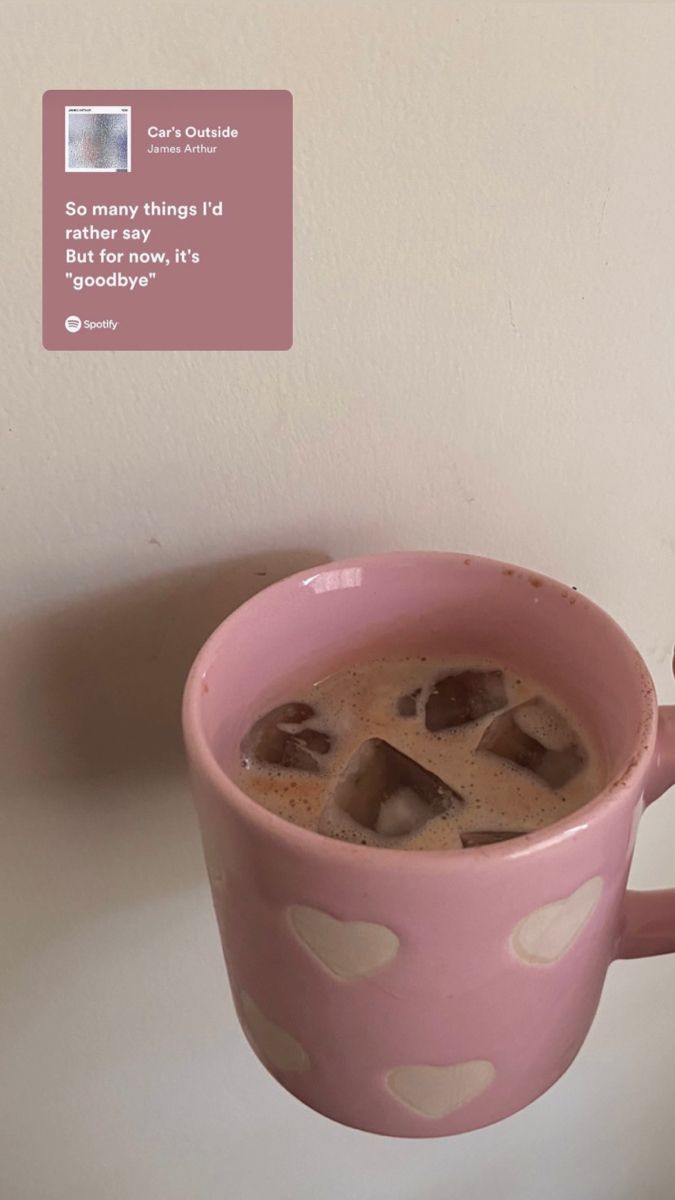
(348, 949)
(438, 1091)
(271, 1043)
(549, 932)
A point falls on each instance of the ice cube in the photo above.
(553, 754)
(485, 837)
(386, 793)
(314, 739)
(281, 738)
(406, 706)
(401, 812)
(541, 721)
(463, 697)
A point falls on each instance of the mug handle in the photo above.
(649, 917)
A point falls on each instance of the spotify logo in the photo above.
(73, 324)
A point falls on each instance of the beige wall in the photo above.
(484, 359)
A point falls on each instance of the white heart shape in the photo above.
(437, 1091)
(348, 949)
(548, 932)
(270, 1042)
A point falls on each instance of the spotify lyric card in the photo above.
(167, 220)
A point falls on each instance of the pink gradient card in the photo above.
(167, 220)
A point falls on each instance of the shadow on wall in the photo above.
(98, 684)
(97, 811)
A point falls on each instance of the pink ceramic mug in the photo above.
(424, 993)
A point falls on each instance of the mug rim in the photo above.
(311, 841)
